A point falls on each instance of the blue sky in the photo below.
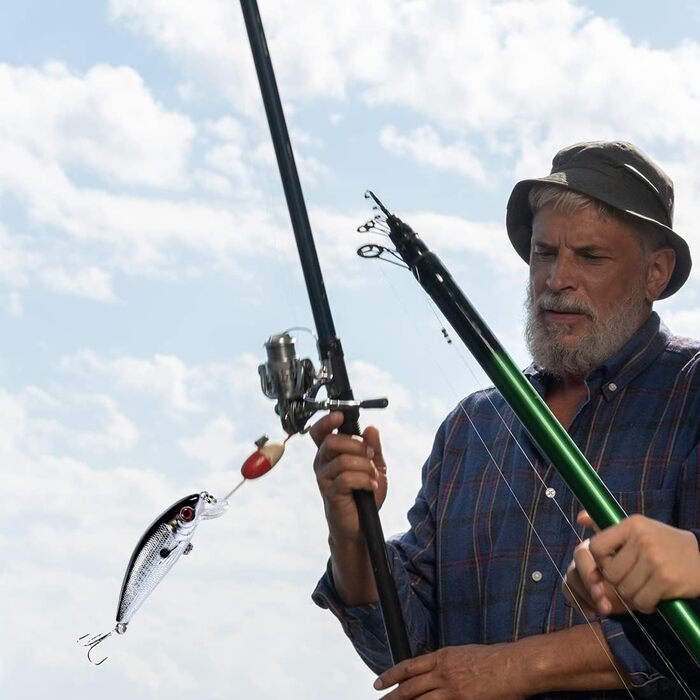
(146, 254)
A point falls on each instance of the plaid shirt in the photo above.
(471, 570)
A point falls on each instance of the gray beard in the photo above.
(605, 337)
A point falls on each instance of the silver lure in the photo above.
(164, 542)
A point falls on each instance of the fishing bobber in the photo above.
(263, 459)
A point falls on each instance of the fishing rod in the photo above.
(295, 383)
(544, 429)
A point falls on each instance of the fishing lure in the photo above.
(170, 536)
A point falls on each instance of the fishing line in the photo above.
(233, 490)
(674, 673)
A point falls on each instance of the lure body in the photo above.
(170, 535)
(164, 542)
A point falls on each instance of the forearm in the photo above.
(352, 571)
(573, 659)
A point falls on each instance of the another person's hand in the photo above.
(343, 464)
(586, 589)
(645, 560)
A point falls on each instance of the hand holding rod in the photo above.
(328, 344)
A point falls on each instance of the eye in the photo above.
(542, 253)
(593, 257)
(186, 514)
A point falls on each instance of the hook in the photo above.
(92, 643)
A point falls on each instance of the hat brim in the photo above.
(519, 220)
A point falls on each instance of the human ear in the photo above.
(659, 271)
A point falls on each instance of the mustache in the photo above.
(553, 301)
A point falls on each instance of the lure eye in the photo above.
(187, 514)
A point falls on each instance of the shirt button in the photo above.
(612, 386)
(550, 492)
(536, 576)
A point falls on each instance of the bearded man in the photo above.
(479, 572)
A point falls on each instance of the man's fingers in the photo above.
(352, 481)
(584, 519)
(637, 579)
(405, 670)
(575, 588)
(416, 688)
(607, 542)
(320, 429)
(372, 439)
(347, 463)
(338, 446)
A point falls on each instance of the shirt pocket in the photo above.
(653, 503)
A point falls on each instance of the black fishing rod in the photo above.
(545, 430)
(294, 383)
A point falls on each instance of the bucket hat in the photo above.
(618, 174)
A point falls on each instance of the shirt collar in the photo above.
(618, 370)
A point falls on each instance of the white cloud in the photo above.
(163, 376)
(210, 39)
(67, 421)
(119, 433)
(56, 126)
(16, 262)
(105, 120)
(24, 260)
(424, 145)
(214, 446)
(683, 322)
(90, 282)
(13, 421)
(489, 71)
(210, 36)
(227, 155)
(496, 84)
(140, 233)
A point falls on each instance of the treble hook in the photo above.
(93, 642)
(98, 638)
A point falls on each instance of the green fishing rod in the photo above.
(540, 423)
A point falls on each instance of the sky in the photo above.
(146, 255)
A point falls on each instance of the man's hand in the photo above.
(475, 671)
(645, 560)
(577, 658)
(343, 464)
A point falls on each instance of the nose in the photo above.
(561, 275)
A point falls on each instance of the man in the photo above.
(477, 573)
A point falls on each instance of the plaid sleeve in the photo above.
(412, 561)
(646, 680)
(647, 627)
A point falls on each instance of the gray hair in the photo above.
(567, 201)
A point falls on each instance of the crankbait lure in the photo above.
(170, 536)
